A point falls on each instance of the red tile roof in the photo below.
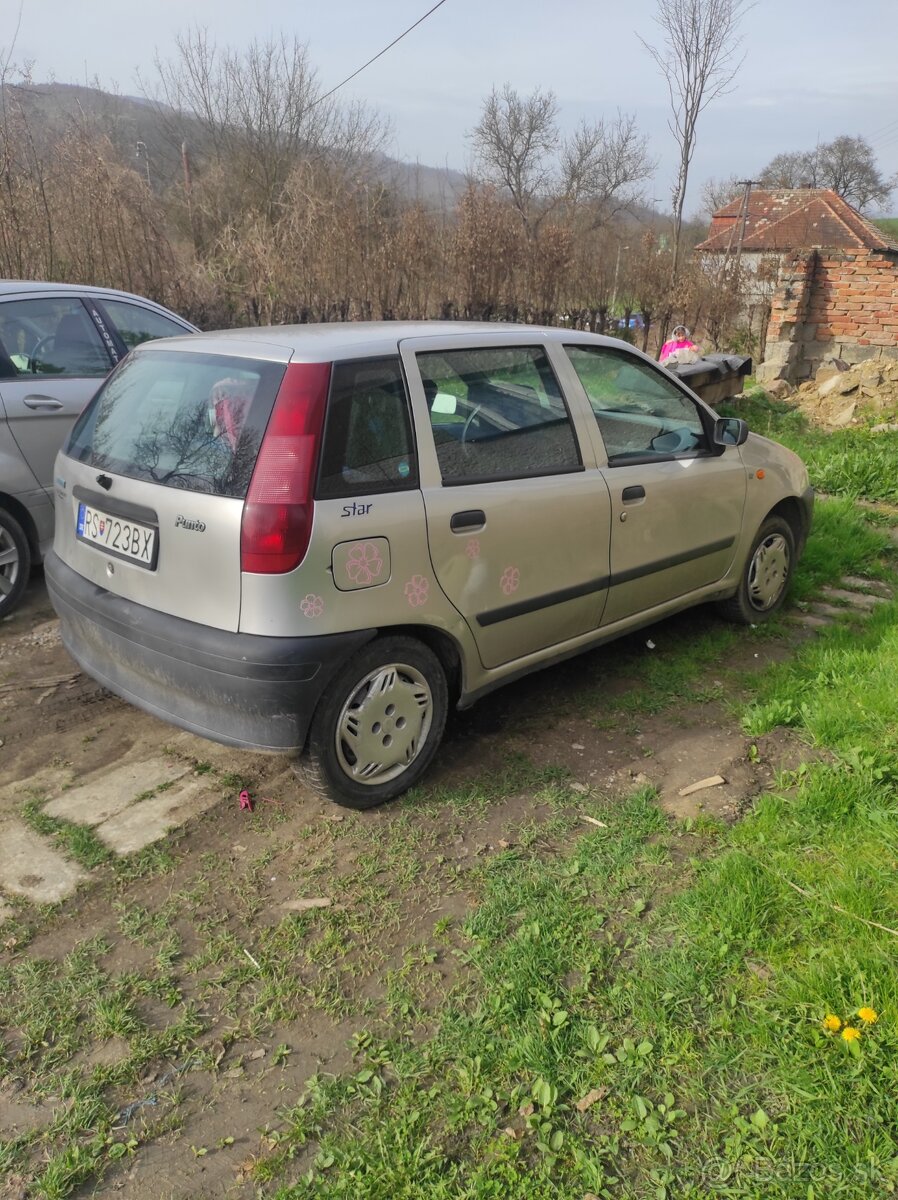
(794, 219)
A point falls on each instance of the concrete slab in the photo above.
(145, 821)
(819, 609)
(872, 585)
(853, 599)
(32, 867)
(809, 621)
(103, 797)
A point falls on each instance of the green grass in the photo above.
(693, 1017)
(853, 463)
(887, 225)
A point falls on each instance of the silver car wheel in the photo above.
(384, 724)
(10, 562)
(769, 572)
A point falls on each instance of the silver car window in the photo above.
(137, 324)
(52, 336)
(368, 443)
(192, 421)
(497, 412)
(640, 413)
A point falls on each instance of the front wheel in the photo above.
(766, 577)
(378, 724)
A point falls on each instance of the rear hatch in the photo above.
(151, 485)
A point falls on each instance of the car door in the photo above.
(517, 517)
(677, 501)
(52, 362)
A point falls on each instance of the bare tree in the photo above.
(794, 169)
(698, 59)
(515, 142)
(603, 163)
(716, 193)
(846, 164)
(258, 111)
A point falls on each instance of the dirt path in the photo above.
(252, 946)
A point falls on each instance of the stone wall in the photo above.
(831, 304)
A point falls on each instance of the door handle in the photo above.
(471, 518)
(42, 402)
(636, 492)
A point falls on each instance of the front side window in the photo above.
(368, 444)
(497, 413)
(52, 337)
(640, 414)
(191, 421)
(137, 324)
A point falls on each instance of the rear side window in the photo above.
(191, 421)
(368, 445)
(497, 413)
(137, 324)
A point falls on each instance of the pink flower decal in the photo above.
(364, 564)
(312, 606)
(472, 548)
(416, 590)
(510, 581)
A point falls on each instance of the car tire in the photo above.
(15, 562)
(378, 724)
(766, 576)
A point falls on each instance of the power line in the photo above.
(380, 53)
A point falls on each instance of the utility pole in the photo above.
(140, 151)
(616, 270)
(747, 184)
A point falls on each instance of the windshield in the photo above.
(180, 419)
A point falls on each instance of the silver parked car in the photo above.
(317, 538)
(57, 342)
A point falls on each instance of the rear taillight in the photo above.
(277, 515)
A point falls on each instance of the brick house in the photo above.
(822, 280)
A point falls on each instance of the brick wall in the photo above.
(831, 304)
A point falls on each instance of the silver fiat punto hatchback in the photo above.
(314, 539)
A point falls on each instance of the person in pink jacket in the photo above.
(681, 348)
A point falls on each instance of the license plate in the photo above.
(117, 535)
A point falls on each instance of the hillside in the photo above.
(55, 109)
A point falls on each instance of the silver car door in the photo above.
(54, 361)
(517, 516)
(676, 501)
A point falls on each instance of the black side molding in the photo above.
(522, 607)
(672, 560)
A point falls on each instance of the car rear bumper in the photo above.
(258, 693)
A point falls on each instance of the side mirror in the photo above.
(729, 431)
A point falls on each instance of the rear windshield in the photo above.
(183, 420)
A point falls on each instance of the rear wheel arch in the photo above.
(18, 510)
(443, 645)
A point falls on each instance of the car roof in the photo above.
(355, 339)
(8, 286)
(36, 287)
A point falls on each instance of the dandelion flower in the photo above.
(831, 1023)
(850, 1034)
(868, 1015)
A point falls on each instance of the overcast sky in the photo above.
(813, 68)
